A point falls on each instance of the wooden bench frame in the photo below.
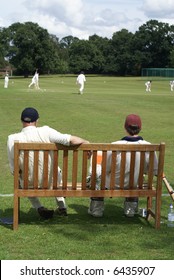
(77, 158)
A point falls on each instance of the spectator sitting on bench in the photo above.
(133, 127)
(45, 134)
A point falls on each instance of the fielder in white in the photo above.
(148, 85)
(171, 85)
(6, 81)
(81, 79)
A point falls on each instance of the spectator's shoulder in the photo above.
(144, 142)
(44, 127)
(14, 135)
(119, 142)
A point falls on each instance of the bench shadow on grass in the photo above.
(113, 215)
(77, 215)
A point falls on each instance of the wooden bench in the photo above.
(74, 163)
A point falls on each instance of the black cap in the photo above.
(29, 115)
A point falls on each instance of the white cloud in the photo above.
(75, 18)
(52, 25)
(159, 8)
(82, 18)
(70, 12)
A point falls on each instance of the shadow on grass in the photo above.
(78, 215)
(113, 215)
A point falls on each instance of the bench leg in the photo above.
(16, 212)
(158, 212)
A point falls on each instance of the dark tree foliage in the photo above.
(27, 46)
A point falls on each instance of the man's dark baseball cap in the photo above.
(29, 115)
(133, 121)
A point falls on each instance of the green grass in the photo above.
(98, 115)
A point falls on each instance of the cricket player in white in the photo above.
(35, 81)
(81, 79)
(171, 85)
(6, 80)
(148, 85)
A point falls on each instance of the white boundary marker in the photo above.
(6, 195)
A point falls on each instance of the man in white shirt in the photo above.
(81, 79)
(31, 133)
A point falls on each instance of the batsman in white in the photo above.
(81, 79)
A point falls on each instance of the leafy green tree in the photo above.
(84, 54)
(119, 55)
(66, 42)
(103, 47)
(3, 48)
(171, 63)
(2, 60)
(171, 55)
(31, 47)
(155, 41)
(27, 46)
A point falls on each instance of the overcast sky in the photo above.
(82, 18)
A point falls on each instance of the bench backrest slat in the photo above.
(74, 170)
(141, 171)
(132, 169)
(45, 170)
(84, 169)
(36, 169)
(103, 174)
(26, 155)
(122, 169)
(55, 168)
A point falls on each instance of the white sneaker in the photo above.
(96, 208)
(130, 208)
(95, 213)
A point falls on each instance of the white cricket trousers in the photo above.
(60, 201)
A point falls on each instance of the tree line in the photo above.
(27, 46)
